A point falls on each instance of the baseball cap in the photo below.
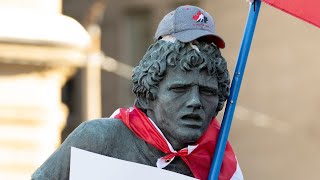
(187, 23)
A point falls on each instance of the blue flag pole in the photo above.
(234, 91)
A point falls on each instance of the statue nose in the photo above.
(194, 99)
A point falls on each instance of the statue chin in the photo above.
(185, 138)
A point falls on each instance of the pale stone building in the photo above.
(39, 50)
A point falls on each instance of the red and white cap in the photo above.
(188, 23)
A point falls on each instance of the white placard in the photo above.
(86, 165)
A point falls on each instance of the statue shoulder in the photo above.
(94, 136)
(104, 129)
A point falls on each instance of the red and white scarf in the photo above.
(197, 157)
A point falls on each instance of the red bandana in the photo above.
(199, 160)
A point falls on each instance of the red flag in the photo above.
(307, 10)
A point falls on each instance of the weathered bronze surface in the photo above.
(180, 86)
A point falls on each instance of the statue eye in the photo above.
(208, 91)
(178, 88)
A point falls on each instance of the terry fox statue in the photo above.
(181, 84)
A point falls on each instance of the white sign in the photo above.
(86, 165)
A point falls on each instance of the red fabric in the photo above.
(307, 10)
(199, 160)
(183, 152)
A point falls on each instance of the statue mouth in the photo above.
(192, 120)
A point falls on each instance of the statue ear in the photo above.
(144, 103)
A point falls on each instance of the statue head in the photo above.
(182, 81)
(181, 87)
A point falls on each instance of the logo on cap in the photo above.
(199, 17)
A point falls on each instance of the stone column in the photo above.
(39, 50)
(31, 117)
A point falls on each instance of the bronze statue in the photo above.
(180, 86)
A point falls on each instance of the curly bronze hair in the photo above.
(163, 54)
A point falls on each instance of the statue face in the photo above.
(185, 104)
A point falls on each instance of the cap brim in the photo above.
(190, 35)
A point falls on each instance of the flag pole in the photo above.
(234, 91)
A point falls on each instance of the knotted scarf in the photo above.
(197, 157)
